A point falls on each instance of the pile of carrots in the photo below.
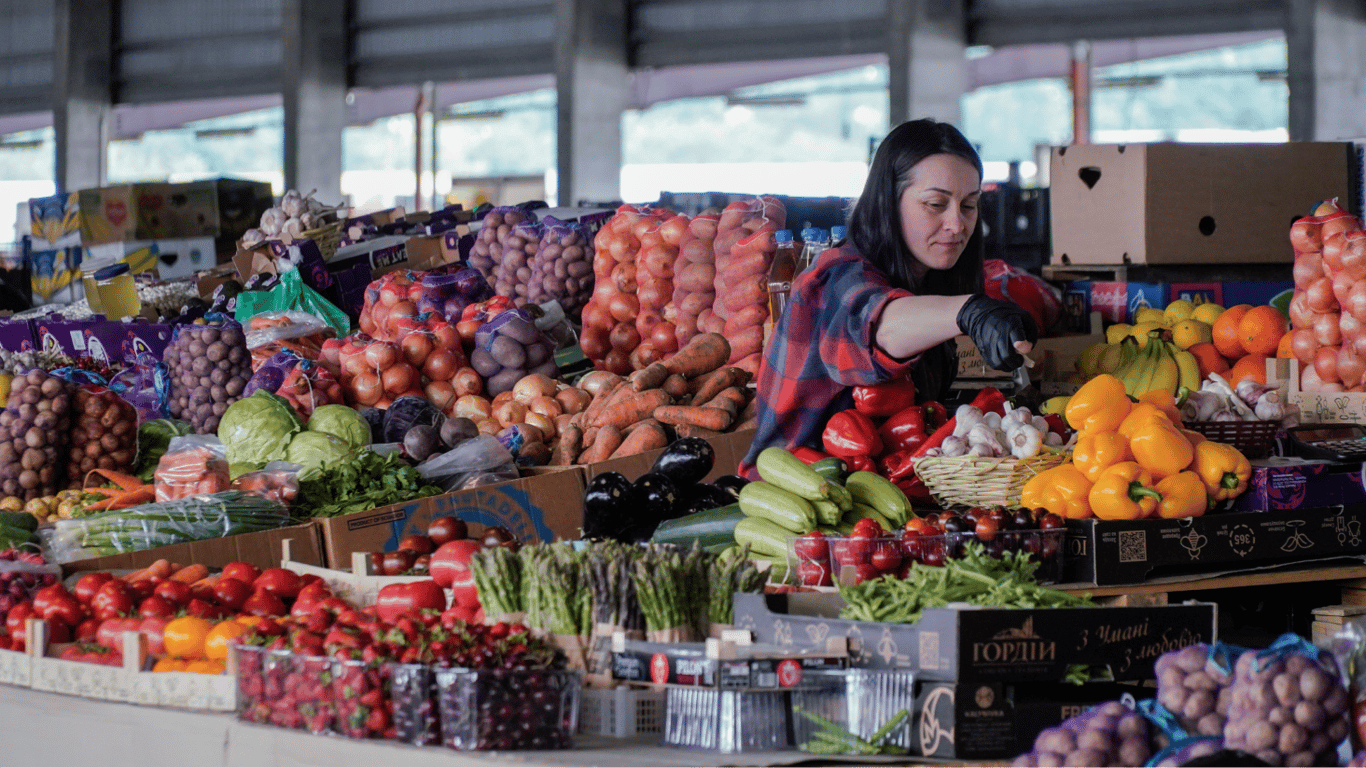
(128, 491)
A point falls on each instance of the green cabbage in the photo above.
(317, 450)
(259, 428)
(343, 421)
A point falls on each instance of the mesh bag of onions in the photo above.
(1107, 734)
(1193, 685)
(209, 367)
(35, 428)
(1289, 705)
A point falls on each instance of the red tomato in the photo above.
(281, 582)
(178, 593)
(395, 600)
(112, 600)
(154, 629)
(63, 607)
(14, 620)
(156, 605)
(450, 568)
(231, 592)
(142, 588)
(89, 584)
(243, 572)
(263, 603)
(85, 632)
(110, 633)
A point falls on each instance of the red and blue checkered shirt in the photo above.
(821, 348)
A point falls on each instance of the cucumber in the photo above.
(13, 537)
(878, 492)
(710, 527)
(779, 467)
(21, 520)
(782, 508)
(832, 468)
(766, 540)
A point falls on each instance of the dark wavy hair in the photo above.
(875, 221)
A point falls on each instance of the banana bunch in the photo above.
(1156, 365)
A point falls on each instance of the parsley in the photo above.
(368, 482)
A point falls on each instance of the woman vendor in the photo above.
(887, 301)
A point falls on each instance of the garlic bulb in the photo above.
(272, 220)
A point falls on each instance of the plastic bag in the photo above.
(483, 458)
(270, 375)
(144, 384)
(292, 294)
(193, 465)
(744, 252)
(278, 481)
(299, 332)
(487, 252)
(1042, 301)
(513, 275)
(1193, 685)
(448, 293)
(309, 385)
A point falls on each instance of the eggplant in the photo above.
(702, 497)
(610, 504)
(686, 461)
(658, 498)
(730, 484)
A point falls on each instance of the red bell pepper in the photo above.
(935, 414)
(904, 430)
(809, 455)
(882, 400)
(989, 399)
(860, 463)
(897, 465)
(850, 433)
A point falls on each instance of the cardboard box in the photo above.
(392, 253)
(101, 339)
(1118, 302)
(540, 508)
(16, 335)
(1189, 203)
(1105, 552)
(1001, 644)
(720, 664)
(222, 209)
(171, 257)
(262, 549)
(1289, 482)
(971, 364)
(984, 720)
(1316, 407)
(55, 221)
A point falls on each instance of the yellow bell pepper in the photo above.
(1160, 447)
(1096, 450)
(1223, 468)
(1124, 492)
(1193, 437)
(1139, 414)
(1163, 401)
(1062, 490)
(1183, 495)
(1101, 403)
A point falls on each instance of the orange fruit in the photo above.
(1248, 367)
(1227, 339)
(169, 664)
(1261, 328)
(185, 636)
(219, 639)
(1209, 359)
(206, 666)
(1286, 348)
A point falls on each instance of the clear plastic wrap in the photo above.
(299, 332)
(278, 481)
(193, 465)
(483, 457)
(270, 375)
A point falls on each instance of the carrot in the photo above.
(190, 573)
(567, 448)
(123, 480)
(160, 568)
(675, 385)
(601, 400)
(730, 399)
(688, 430)
(649, 377)
(645, 435)
(703, 416)
(710, 385)
(632, 408)
(607, 440)
(124, 499)
(703, 353)
(209, 581)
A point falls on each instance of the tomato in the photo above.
(395, 600)
(15, 619)
(205, 609)
(886, 556)
(263, 603)
(419, 543)
(243, 572)
(112, 599)
(231, 592)
(142, 588)
(59, 605)
(281, 582)
(450, 568)
(867, 527)
(177, 592)
(447, 528)
(814, 573)
(813, 547)
(154, 629)
(110, 633)
(397, 562)
(87, 585)
(85, 632)
(156, 605)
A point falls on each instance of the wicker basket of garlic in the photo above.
(299, 217)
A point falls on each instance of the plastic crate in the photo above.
(727, 721)
(621, 711)
(861, 700)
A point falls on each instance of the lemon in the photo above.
(1117, 332)
(1207, 313)
(1149, 315)
(1188, 333)
(1177, 311)
(1140, 331)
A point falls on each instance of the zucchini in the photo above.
(766, 540)
(780, 507)
(878, 492)
(779, 467)
(827, 512)
(710, 528)
(831, 468)
(21, 520)
(13, 537)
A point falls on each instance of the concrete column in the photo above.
(592, 82)
(313, 39)
(926, 60)
(82, 91)
(1326, 69)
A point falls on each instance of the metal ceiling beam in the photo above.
(1024, 22)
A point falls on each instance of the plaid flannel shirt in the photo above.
(821, 348)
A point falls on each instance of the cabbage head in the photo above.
(343, 421)
(318, 450)
(259, 428)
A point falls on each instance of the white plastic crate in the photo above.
(621, 711)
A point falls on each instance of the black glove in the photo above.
(994, 326)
